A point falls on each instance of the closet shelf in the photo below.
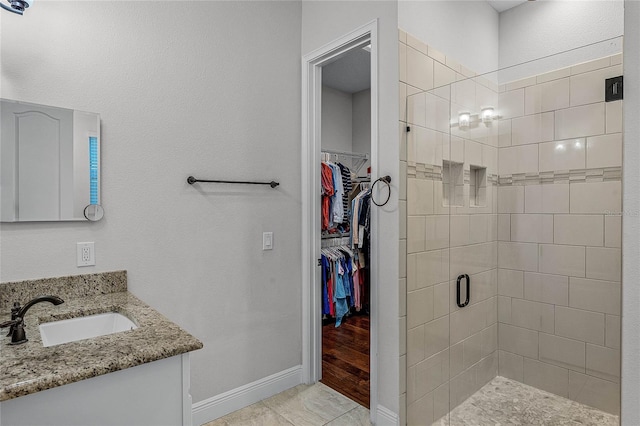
(336, 235)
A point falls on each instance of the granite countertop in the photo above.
(31, 367)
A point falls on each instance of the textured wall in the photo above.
(210, 89)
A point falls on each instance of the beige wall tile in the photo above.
(415, 345)
(513, 85)
(504, 309)
(416, 234)
(482, 228)
(402, 36)
(604, 263)
(463, 94)
(511, 103)
(546, 377)
(532, 315)
(459, 231)
(614, 117)
(504, 227)
(613, 231)
(565, 353)
(402, 113)
(442, 75)
(580, 325)
(561, 260)
(440, 401)
(402, 211)
(484, 285)
(554, 75)
(511, 366)
(521, 256)
(612, 331)
(616, 59)
(417, 44)
(586, 120)
(596, 197)
(554, 95)
(511, 283)
(419, 197)
(431, 268)
(412, 278)
(419, 307)
(510, 199)
(416, 107)
(437, 110)
(402, 185)
(402, 258)
(473, 259)
(472, 153)
(462, 387)
(586, 88)
(456, 355)
(437, 55)
(504, 132)
(403, 373)
(603, 362)
(402, 299)
(441, 300)
(436, 336)
(402, 327)
(562, 155)
(402, 60)
(579, 230)
(431, 373)
(604, 151)
(591, 65)
(420, 411)
(486, 370)
(532, 228)
(489, 340)
(419, 69)
(471, 350)
(548, 198)
(595, 392)
(595, 295)
(518, 340)
(518, 159)
(546, 288)
(437, 232)
(532, 129)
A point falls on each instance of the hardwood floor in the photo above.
(345, 358)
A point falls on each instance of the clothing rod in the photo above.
(191, 180)
(345, 153)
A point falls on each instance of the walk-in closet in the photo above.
(345, 225)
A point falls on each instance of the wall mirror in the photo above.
(49, 163)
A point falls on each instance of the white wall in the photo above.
(534, 30)
(323, 22)
(361, 114)
(631, 218)
(466, 31)
(337, 123)
(207, 88)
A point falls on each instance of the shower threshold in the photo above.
(508, 402)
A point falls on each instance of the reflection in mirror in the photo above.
(49, 162)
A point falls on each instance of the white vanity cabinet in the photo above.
(154, 394)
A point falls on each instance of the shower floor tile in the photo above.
(508, 402)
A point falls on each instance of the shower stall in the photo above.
(513, 238)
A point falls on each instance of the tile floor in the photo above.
(500, 402)
(302, 405)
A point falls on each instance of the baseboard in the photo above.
(228, 402)
(386, 417)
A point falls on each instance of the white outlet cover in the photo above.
(267, 241)
(86, 254)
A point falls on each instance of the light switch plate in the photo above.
(267, 241)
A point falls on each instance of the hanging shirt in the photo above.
(327, 192)
(347, 186)
(337, 212)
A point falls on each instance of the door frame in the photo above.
(312, 64)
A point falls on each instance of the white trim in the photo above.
(187, 415)
(386, 417)
(228, 402)
(310, 162)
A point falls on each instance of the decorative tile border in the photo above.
(570, 176)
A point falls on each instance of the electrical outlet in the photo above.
(86, 255)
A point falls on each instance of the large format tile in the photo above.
(310, 405)
(359, 416)
(257, 414)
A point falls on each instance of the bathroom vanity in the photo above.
(139, 376)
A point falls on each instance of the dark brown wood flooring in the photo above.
(345, 358)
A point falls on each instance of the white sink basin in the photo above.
(58, 332)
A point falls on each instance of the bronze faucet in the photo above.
(16, 323)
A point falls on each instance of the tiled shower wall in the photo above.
(559, 227)
(450, 352)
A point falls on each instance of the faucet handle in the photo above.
(11, 323)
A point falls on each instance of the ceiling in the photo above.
(502, 5)
(349, 74)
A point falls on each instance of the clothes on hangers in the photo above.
(336, 184)
(342, 282)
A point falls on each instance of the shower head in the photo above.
(16, 6)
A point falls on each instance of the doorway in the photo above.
(340, 127)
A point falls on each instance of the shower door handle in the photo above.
(458, 302)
